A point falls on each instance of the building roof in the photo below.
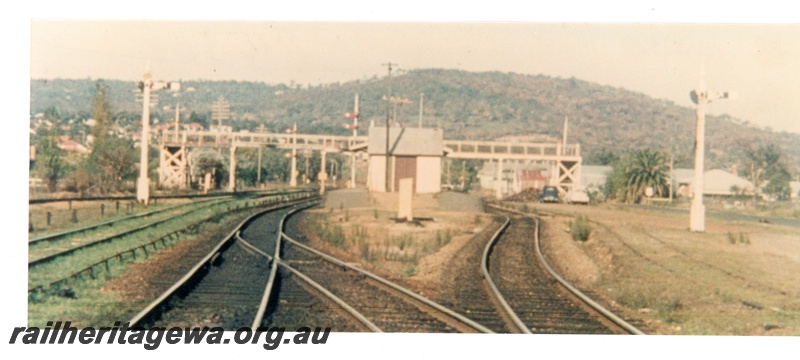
(405, 141)
(720, 182)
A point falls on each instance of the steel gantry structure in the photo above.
(564, 160)
(174, 145)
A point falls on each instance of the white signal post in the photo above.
(701, 96)
(147, 86)
(143, 183)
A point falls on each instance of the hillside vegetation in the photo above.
(467, 105)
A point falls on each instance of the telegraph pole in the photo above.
(293, 174)
(388, 104)
(421, 100)
(354, 126)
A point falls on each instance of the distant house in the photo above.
(715, 183)
(69, 145)
(516, 177)
(194, 127)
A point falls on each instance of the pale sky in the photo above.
(758, 62)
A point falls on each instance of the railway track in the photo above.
(542, 300)
(261, 277)
(376, 303)
(223, 289)
(63, 234)
(112, 222)
(83, 256)
(43, 253)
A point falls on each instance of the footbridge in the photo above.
(564, 161)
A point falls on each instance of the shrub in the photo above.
(363, 248)
(731, 238)
(411, 270)
(580, 229)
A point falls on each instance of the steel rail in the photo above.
(166, 295)
(131, 197)
(394, 286)
(345, 306)
(262, 306)
(53, 256)
(54, 236)
(51, 237)
(498, 295)
(71, 250)
(593, 304)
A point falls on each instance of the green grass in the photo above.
(94, 306)
(64, 266)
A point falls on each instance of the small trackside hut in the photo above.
(414, 153)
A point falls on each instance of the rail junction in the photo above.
(265, 274)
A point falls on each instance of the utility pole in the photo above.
(354, 126)
(220, 110)
(421, 100)
(177, 120)
(293, 174)
(671, 176)
(258, 176)
(388, 104)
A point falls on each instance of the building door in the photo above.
(405, 167)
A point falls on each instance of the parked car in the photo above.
(579, 196)
(549, 194)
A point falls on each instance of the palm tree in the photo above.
(646, 168)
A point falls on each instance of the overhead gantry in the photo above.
(564, 160)
(174, 164)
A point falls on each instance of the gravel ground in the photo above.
(348, 198)
(455, 201)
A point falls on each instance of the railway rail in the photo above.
(210, 283)
(112, 222)
(256, 276)
(552, 314)
(133, 198)
(355, 288)
(106, 249)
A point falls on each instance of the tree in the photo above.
(764, 165)
(635, 172)
(208, 161)
(101, 112)
(603, 157)
(51, 158)
(112, 160)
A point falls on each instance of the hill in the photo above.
(467, 105)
